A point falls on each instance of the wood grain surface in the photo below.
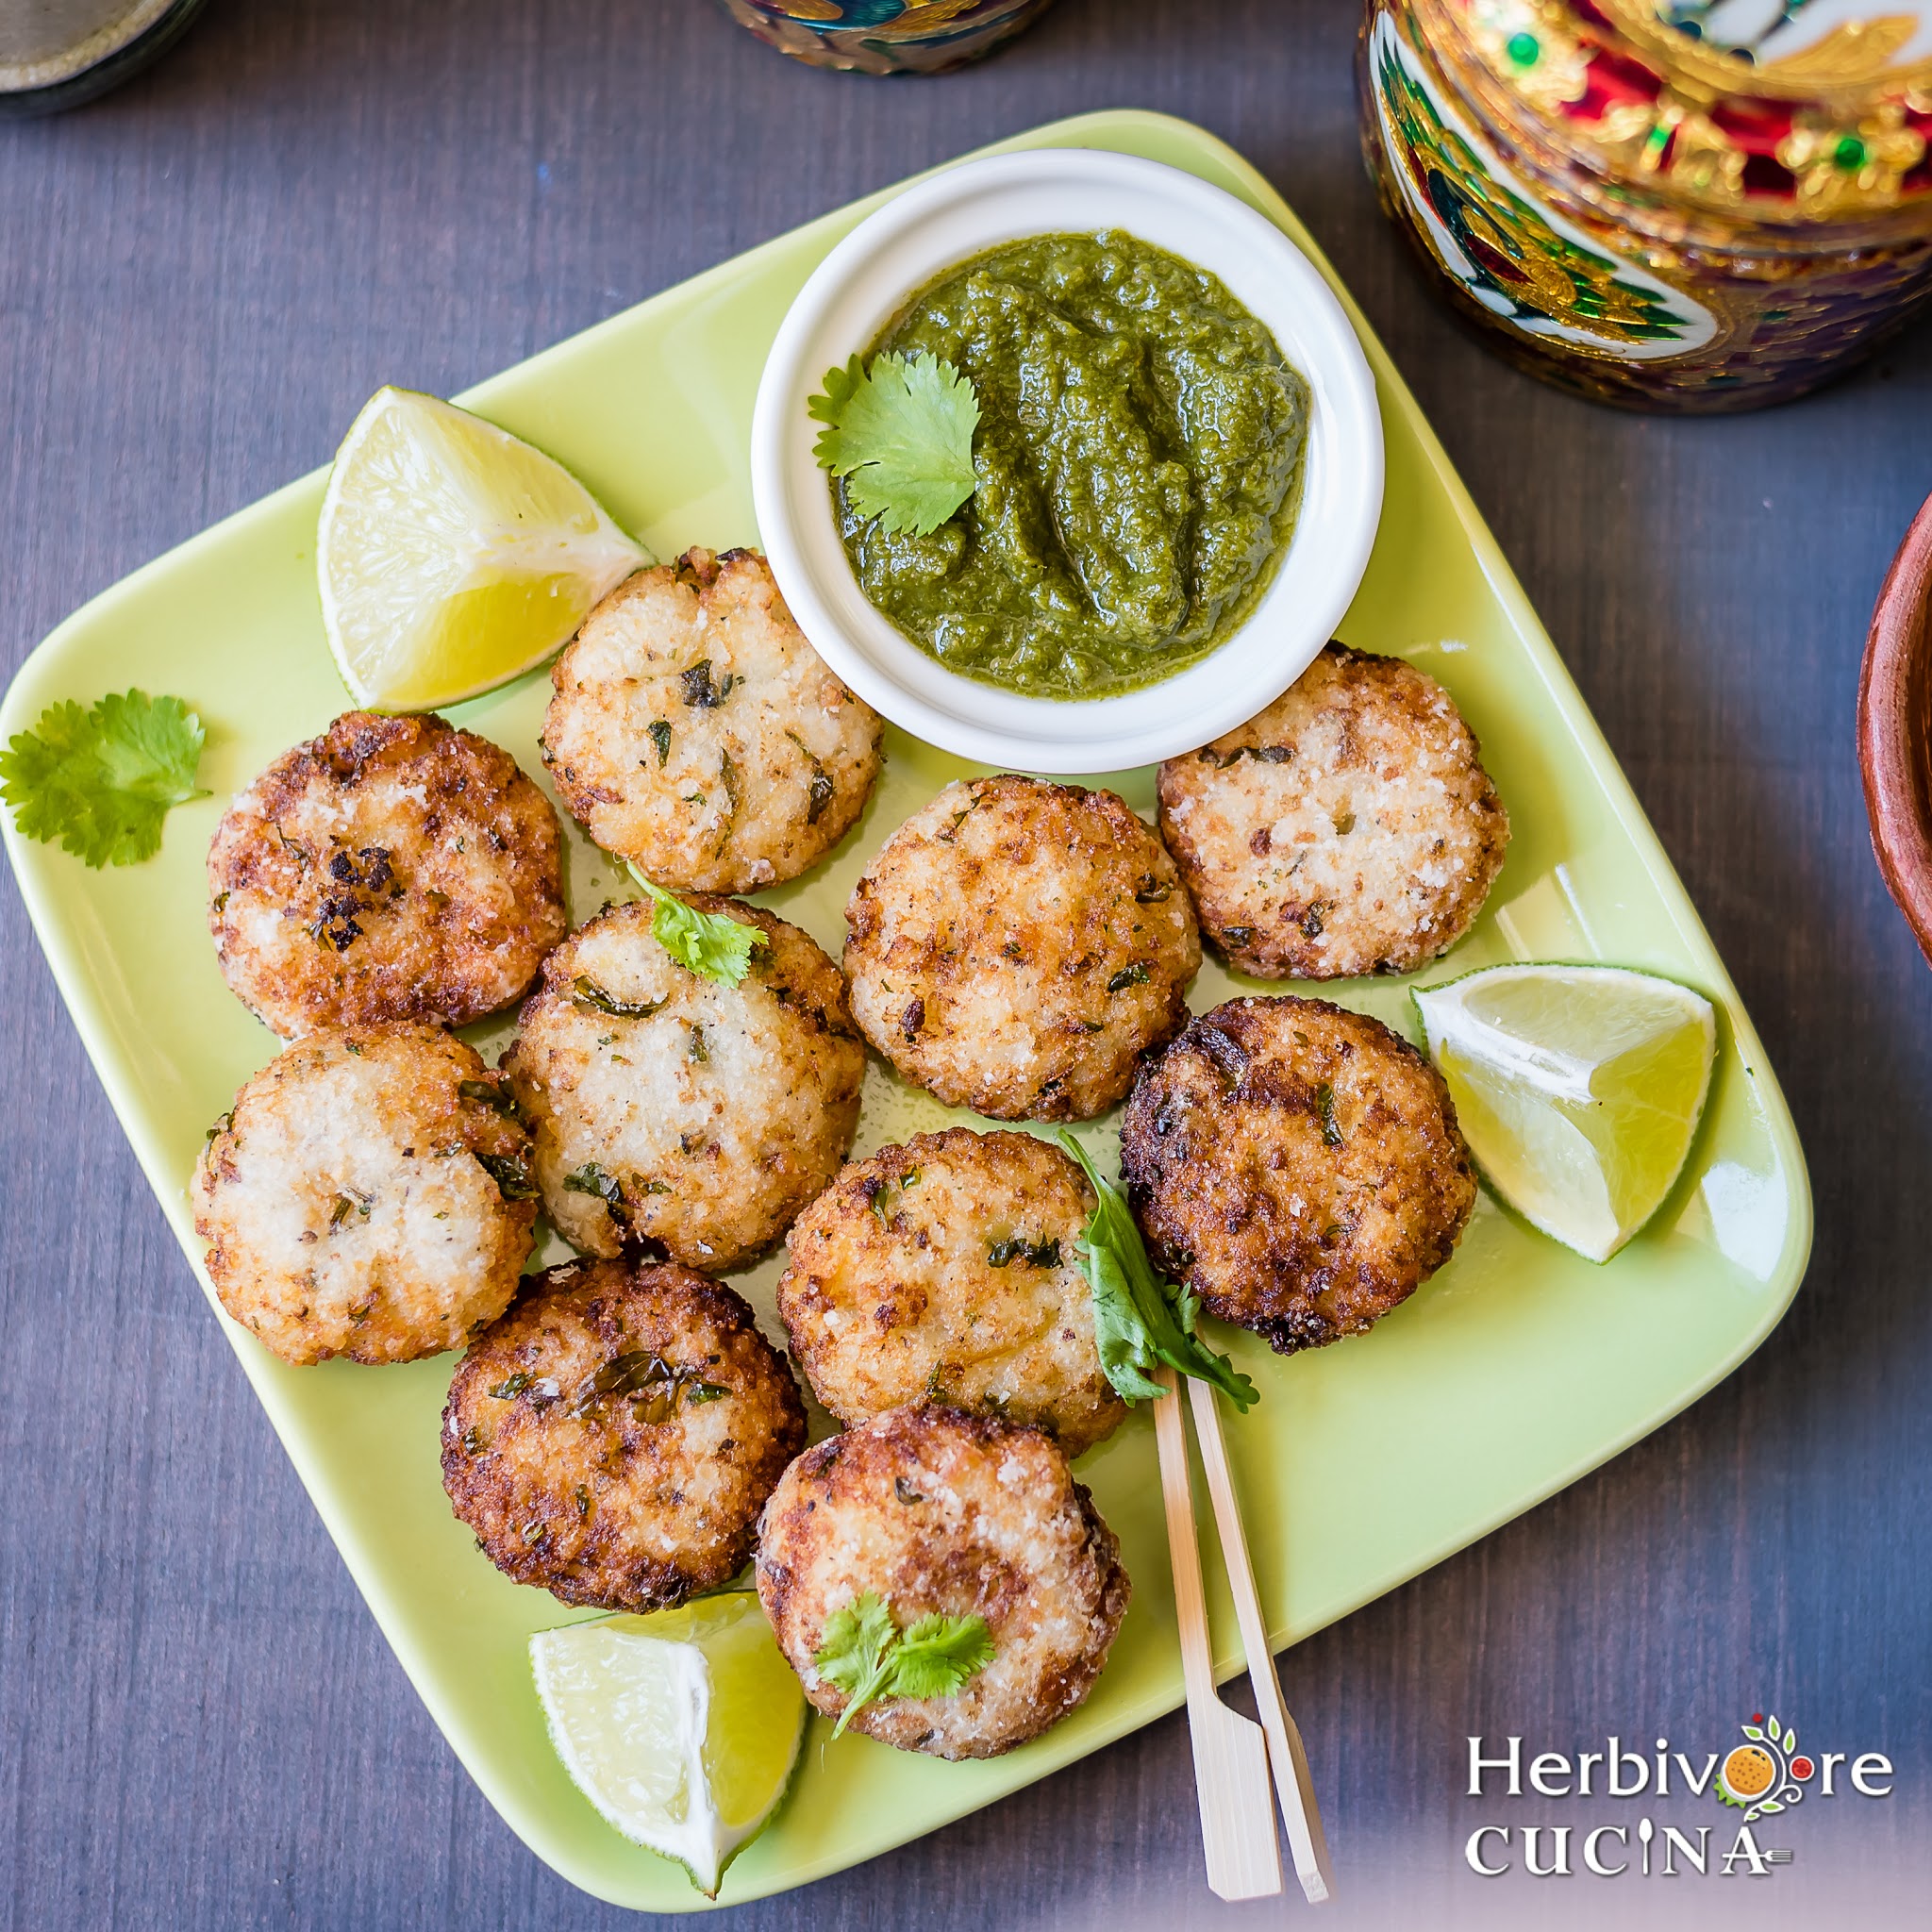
(202, 277)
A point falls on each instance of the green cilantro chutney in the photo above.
(1139, 463)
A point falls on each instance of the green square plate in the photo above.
(1518, 1368)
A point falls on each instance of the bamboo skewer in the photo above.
(1230, 1751)
(1292, 1781)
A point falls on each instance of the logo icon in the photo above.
(1767, 1774)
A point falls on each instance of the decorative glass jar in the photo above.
(885, 36)
(1684, 205)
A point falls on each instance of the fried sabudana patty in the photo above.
(1016, 944)
(937, 1512)
(688, 1117)
(945, 1268)
(695, 732)
(614, 1436)
(1298, 1165)
(392, 868)
(1348, 828)
(368, 1195)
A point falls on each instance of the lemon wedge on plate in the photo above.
(1579, 1088)
(683, 1728)
(452, 556)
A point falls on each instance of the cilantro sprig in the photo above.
(709, 943)
(1141, 1320)
(101, 780)
(865, 1654)
(901, 435)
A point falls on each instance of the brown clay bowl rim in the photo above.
(1895, 728)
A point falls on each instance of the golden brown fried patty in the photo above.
(1298, 1165)
(938, 1512)
(696, 732)
(392, 868)
(1348, 828)
(678, 1115)
(1017, 944)
(614, 1436)
(369, 1194)
(945, 1268)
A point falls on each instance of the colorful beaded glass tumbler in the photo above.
(1683, 204)
(885, 36)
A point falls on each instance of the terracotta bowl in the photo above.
(1895, 728)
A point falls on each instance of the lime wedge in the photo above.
(451, 556)
(1579, 1088)
(682, 1728)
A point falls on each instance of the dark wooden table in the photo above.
(200, 280)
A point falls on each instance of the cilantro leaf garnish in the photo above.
(865, 1654)
(707, 943)
(101, 781)
(938, 1655)
(853, 1652)
(901, 435)
(1141, 1320)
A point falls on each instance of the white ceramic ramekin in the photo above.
(864, 281)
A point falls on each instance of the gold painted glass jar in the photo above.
(885, 36)
(1675, 205)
